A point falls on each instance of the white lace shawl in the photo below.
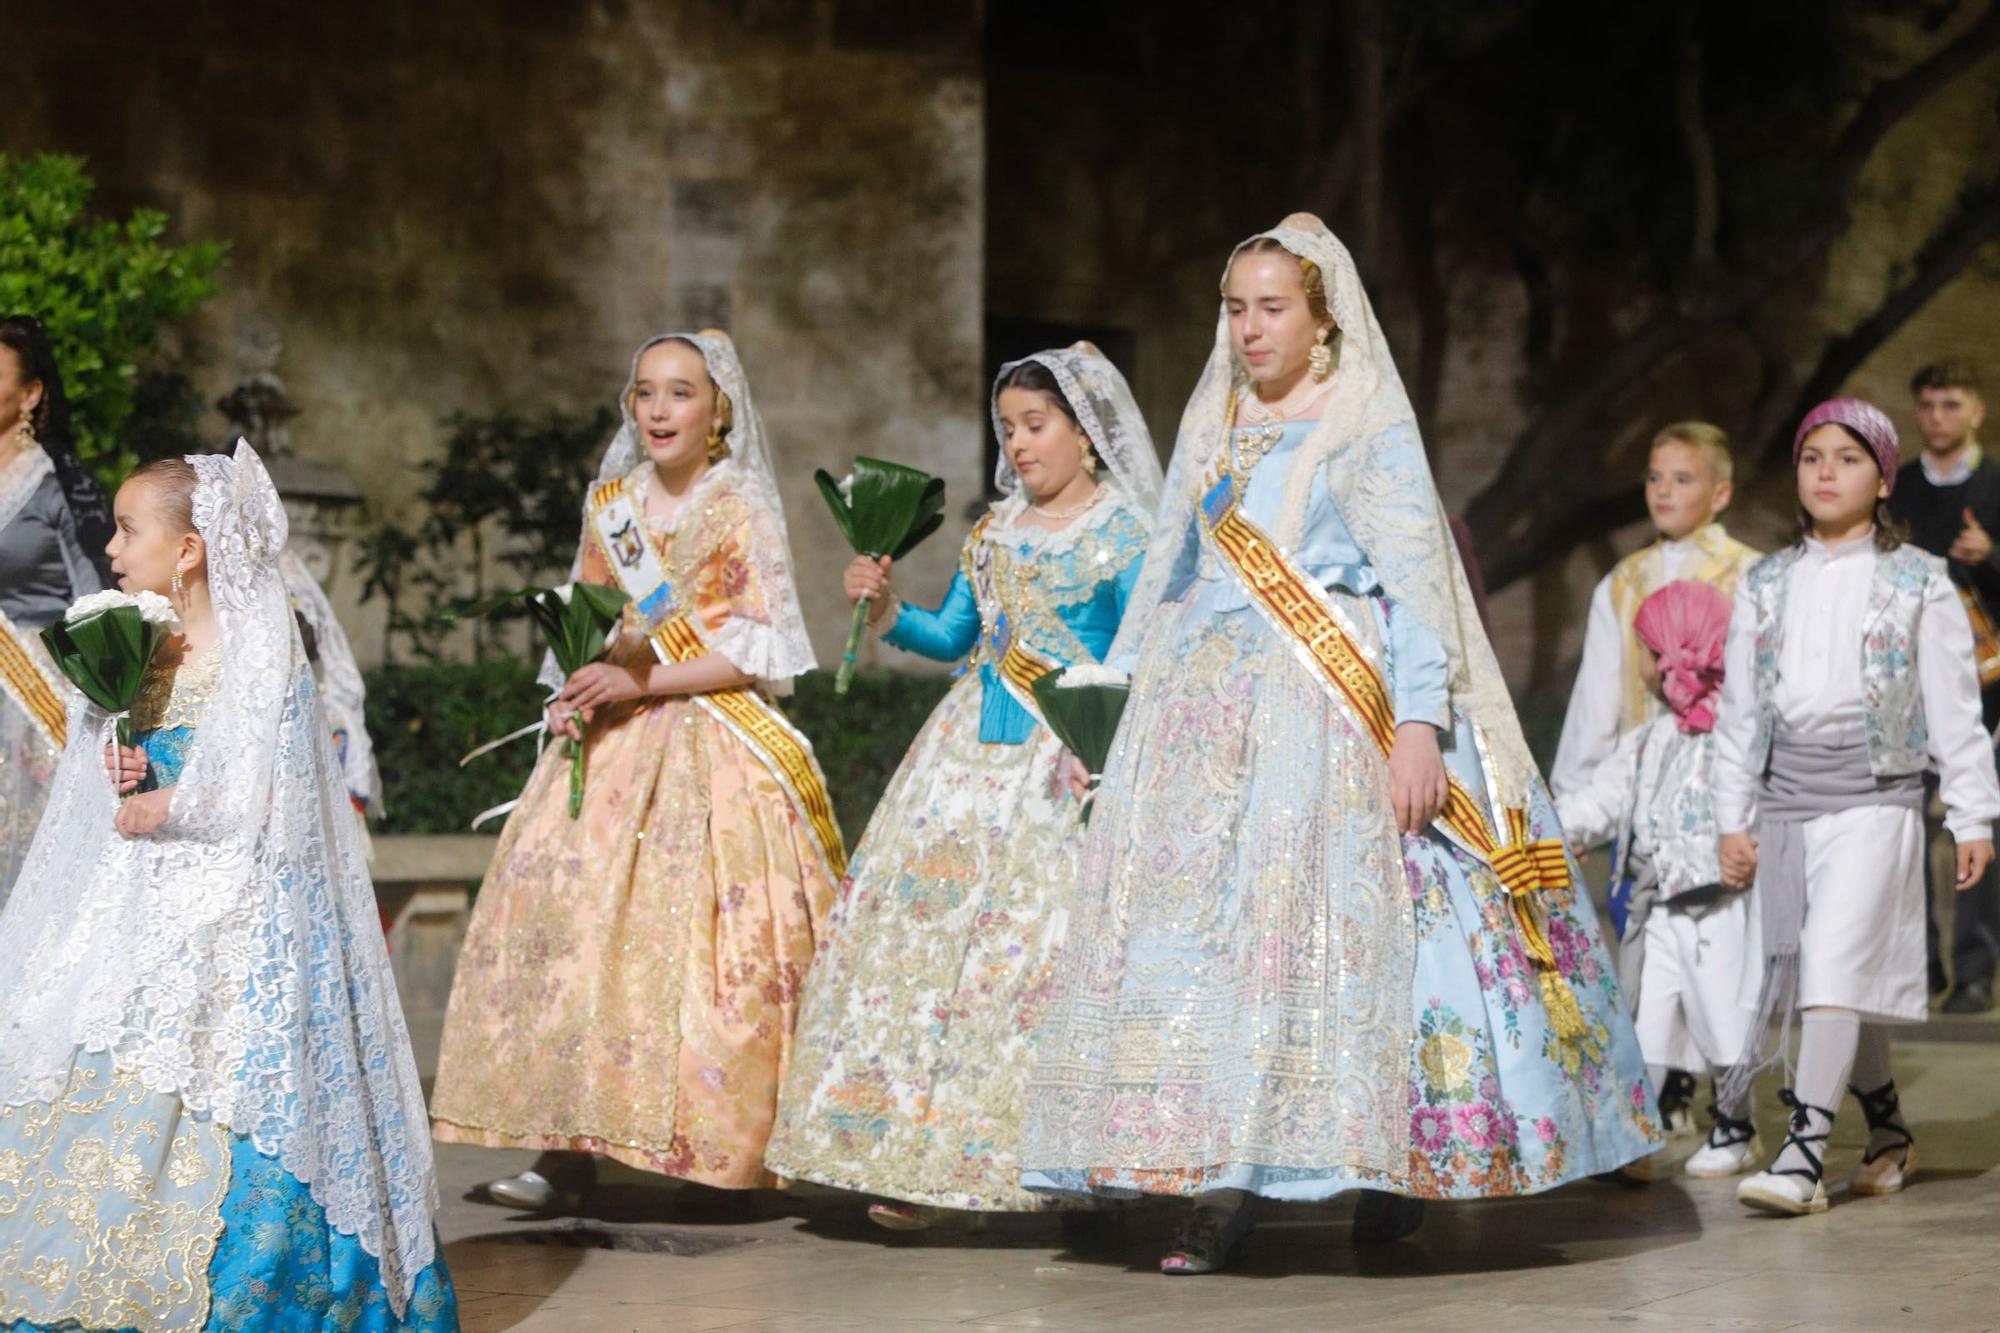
(234, 958)
(779, 649)
(1379, 480)
(1106, 410)
(338, 675)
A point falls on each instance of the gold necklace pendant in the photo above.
(1243, 456)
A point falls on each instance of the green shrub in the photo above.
(102, 288)
(423, 719)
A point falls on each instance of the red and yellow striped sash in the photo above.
(1020, 667)
(1525, 867)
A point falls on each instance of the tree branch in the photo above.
(1777, 385)
(1892, 100)
(1972, 225)
(1700, 150)
(1534, 508)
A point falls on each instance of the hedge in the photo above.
(424, 718)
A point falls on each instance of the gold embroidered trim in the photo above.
(777, 744)
(177, 696)
(22, 678)
(103, 1220)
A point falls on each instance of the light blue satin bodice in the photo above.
(1419, 671)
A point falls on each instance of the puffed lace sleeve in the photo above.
(764, 633)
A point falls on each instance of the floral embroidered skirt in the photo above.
(1269, 989)
(118, 1210)
(915, 1042)
(630, 979)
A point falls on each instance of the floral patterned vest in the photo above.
(1898, 740)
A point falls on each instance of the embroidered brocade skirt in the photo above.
(1268, 988)
(916, 1039)
(120, 1211)
(630, 979)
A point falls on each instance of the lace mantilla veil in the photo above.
(785, 651)
(235, 958)
(1107, 412)
(1381, 484)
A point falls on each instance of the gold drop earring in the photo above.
(718, 447)
(1089, 462)
(1320, 361)
(177, 584)
(24, 431)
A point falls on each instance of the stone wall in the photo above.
(484, 207)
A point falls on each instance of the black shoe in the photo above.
(1677, 1101)
(1382, 1217)
(1939, 984)
(1970, 997)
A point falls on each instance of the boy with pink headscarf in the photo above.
(1689, 958)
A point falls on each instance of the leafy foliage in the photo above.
(506, 490)
(103, 288)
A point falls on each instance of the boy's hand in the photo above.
(1973, 859)
(1739, 861)
(144, 813)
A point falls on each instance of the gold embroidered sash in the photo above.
(29, 684)
(749, 716)
(1296, 607)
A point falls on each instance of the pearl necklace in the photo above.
(1241, 459)
(1064, 515)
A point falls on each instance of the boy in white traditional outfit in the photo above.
(1691, 954)
(1849, 671)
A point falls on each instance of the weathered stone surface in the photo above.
(478, 207)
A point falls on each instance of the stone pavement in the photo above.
(652, 1256)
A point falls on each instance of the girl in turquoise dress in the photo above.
(910, 1068)
(1332, 943)
(209, 1114)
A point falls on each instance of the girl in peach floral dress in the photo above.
(630, 980)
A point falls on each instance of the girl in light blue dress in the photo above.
(1326, 938)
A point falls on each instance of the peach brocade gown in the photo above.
(630, 980)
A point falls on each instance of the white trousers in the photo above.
(1698, 983)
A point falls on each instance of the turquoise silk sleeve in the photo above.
(943, 635)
